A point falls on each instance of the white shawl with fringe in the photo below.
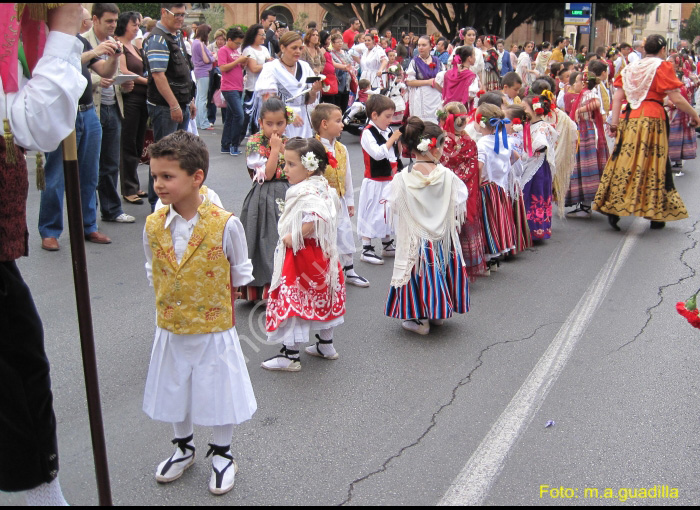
(637, 79)
(425, 207)
(311, 198)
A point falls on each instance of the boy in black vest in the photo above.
(381, 154)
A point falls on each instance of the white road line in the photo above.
(473, 483)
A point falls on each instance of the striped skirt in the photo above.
(682, 139)
(523, 239)
(497, 215)
(590, 162)
(441, 288)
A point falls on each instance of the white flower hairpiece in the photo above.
(310, 161)
(518, 128)
(424, 145)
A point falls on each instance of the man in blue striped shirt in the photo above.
(170, 99)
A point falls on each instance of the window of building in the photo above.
(412, 21)
(283, 14)
(658, 14)
(330, 22)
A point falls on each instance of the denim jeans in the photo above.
(212, 110)
(201, 103)
(163, 126)
(110, 151)
(89, 137)
(233, 126)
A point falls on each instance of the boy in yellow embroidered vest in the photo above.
(327, 121)
(196, 255)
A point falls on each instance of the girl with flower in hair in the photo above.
(494, 155)
(260, 212)
(460, 155)
(428, 204)
(539, 168)
(308, 287)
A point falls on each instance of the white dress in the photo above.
(275, 79)
(524, 68)
(371, 63)
(204, 376)
(424, 101)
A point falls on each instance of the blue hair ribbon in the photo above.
(500, 125)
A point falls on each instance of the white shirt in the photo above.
(43, 112)
(234, 245)
(634, 56)
(496, 166)
(349, 196)
(260, 57)
(376, 151)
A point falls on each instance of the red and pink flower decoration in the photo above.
(689, 310)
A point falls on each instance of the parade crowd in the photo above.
(467, 147)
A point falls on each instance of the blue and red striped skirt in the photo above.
(441, 289)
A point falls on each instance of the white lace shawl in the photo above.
(425, 208)
(314, 198)
(637, 79)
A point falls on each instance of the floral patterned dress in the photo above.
(460, 156)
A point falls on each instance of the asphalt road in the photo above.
(581, 330)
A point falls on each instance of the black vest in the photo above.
(382, 167)
(178, 72)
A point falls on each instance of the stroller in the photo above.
(355, 117)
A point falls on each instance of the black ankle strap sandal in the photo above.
(324, 342)
(221, 451)
(183, 445)
(387, 244)
(286, 353)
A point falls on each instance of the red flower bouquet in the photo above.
(690, 311)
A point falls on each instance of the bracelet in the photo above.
(95, 53)
(175, 108)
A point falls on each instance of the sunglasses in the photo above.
(178, 15)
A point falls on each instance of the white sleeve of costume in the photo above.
(43, 112)
(256, 160)
(236, 251)
(560, 100)
(475, 87)
(214, 198)
(266, 83)
(411, 71)
(149, 258)
(440, 78)
(375, 151)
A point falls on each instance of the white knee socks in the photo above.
(47, 494)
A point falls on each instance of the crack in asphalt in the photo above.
(661, 290)
(433, 419)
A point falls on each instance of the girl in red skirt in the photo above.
(308, 289)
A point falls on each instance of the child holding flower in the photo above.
(260, 212)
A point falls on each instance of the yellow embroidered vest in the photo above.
(336, 176)
(193, 297)
(605, 97)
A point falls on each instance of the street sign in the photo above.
(585, 29)
(577, 14)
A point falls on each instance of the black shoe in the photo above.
(613, 220)
(657, 225)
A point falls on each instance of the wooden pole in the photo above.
(82, 298)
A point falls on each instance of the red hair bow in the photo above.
(517, 121)
(478, 118)
(376, 39)
(433, 143)
(331, 160)
(480, 93)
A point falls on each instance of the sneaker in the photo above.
(222, 479)
(356, 280)
(226, 151)
(679, 174)
(417, 326)
(282, 362)
(234, 151)
(389, 249)
(172, 469)
(369, 256)
(122, 218)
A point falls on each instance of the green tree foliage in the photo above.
(691, 27)
(146, 10)
(619, 14)
(214, 16)
(300, 22)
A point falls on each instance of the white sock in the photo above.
(222, 437)
(183, 429)
(326, 349)
(47, 494)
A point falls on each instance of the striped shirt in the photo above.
(157, 52)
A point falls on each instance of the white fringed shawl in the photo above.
(424, 207)
(311, 197)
